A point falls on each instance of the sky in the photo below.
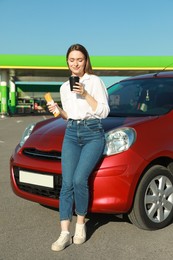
(111, 27)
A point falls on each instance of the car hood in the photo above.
(111, 123)
(48, 134)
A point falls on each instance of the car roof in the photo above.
(161, 74)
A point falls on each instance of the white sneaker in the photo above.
(62, 242)
(80, 234)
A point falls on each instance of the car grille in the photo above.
(52, 155)
(53, 193)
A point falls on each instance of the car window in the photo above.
(141, 97)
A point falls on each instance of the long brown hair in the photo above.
(79, 47)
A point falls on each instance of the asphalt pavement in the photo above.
(28, 229)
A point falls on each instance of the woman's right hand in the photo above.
(52, 107)
(56, 110)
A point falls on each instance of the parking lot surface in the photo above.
(27, 229)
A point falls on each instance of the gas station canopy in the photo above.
(54, 68)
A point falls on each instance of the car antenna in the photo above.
(155, 75)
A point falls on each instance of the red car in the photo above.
(135, 175)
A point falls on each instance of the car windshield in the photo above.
(141, 97)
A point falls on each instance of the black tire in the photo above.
(153, 202)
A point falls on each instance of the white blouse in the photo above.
(77, 107)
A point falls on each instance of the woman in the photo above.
(83, 144)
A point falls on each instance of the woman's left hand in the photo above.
(79, 89)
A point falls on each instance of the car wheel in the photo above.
(153, 202)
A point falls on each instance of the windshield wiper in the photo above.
(131, 115)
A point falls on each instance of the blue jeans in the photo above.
(83, 147)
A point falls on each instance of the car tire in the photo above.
(153, 202)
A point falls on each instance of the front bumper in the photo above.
(112, 184)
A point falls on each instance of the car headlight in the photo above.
(26, 134)
(119, 140)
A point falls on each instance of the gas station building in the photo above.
(24, 79)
